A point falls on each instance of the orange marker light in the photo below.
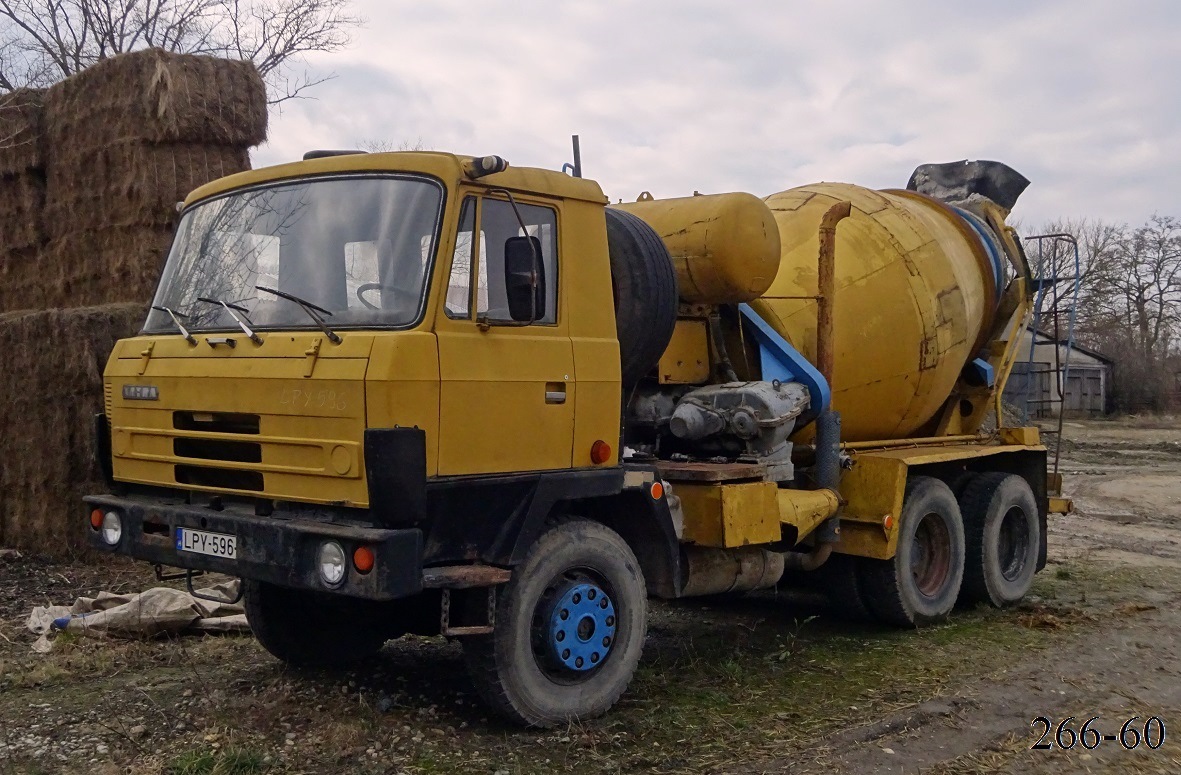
(657, 491)
(600, 452)
(96, 519)
(363, 559)
(888, 522)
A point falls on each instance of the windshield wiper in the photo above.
(176, 316)
(307, 307)
(230, 309)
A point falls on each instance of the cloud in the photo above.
(673, 96)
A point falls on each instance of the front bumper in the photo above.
(274, 549)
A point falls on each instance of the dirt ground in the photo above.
(768, 684)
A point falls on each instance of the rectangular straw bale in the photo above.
(158, 97)
(22, 201)
(21, 114)
(132, 183)
(55, 380)
(23, 280)
(105, 266)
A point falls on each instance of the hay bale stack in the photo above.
(117, 264)
(129, 138)
(23, 285)
(53, 385)
(21, 118)
(160, 98)
(133, 184)
(22, 198)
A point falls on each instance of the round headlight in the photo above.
(112, 528)
(332, 559)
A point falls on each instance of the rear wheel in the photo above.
(920, 584)
(569, 629)
(312, 629)
(1003, 535)
(837, 580)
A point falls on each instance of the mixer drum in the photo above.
(917, 287)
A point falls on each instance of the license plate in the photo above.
(202, 542)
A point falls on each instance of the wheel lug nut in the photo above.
(595, 658)
(590, 595)
(565, 614)
(577, 598)
(603, 603)
(606, 641)
(610, 621)
(566, 654)
(578, 662)
(561, 636)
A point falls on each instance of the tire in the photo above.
(522, 670)
(311, 629)
(837, 580)
(645, 289)
(1002, 535)
(920, 584)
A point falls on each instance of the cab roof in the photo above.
(447, 167)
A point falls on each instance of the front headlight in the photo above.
(332, 561)
(112, 529)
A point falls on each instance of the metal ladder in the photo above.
(1061, 365)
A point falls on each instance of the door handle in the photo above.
(555, 393)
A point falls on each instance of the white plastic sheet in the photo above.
(155, 612)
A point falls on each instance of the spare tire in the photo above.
(645, 289)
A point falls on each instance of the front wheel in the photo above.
(314, 629)
(569, 629)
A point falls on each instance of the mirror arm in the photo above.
(533, 249)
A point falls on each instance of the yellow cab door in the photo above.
(506, 386)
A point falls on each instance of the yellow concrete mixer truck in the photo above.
(425, 393)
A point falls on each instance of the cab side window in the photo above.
(498, 223)
(459, 287)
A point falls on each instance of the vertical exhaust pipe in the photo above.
(828, 423)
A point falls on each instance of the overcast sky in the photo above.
(672, 96)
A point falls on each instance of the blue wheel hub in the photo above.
(582, 627)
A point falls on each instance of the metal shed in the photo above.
(1039, 381)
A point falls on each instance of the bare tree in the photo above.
(44, 41)
(1144, 282)
(385, 146)
(1054, 261)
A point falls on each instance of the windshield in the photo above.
(359, 247)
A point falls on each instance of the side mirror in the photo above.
(524, 279)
